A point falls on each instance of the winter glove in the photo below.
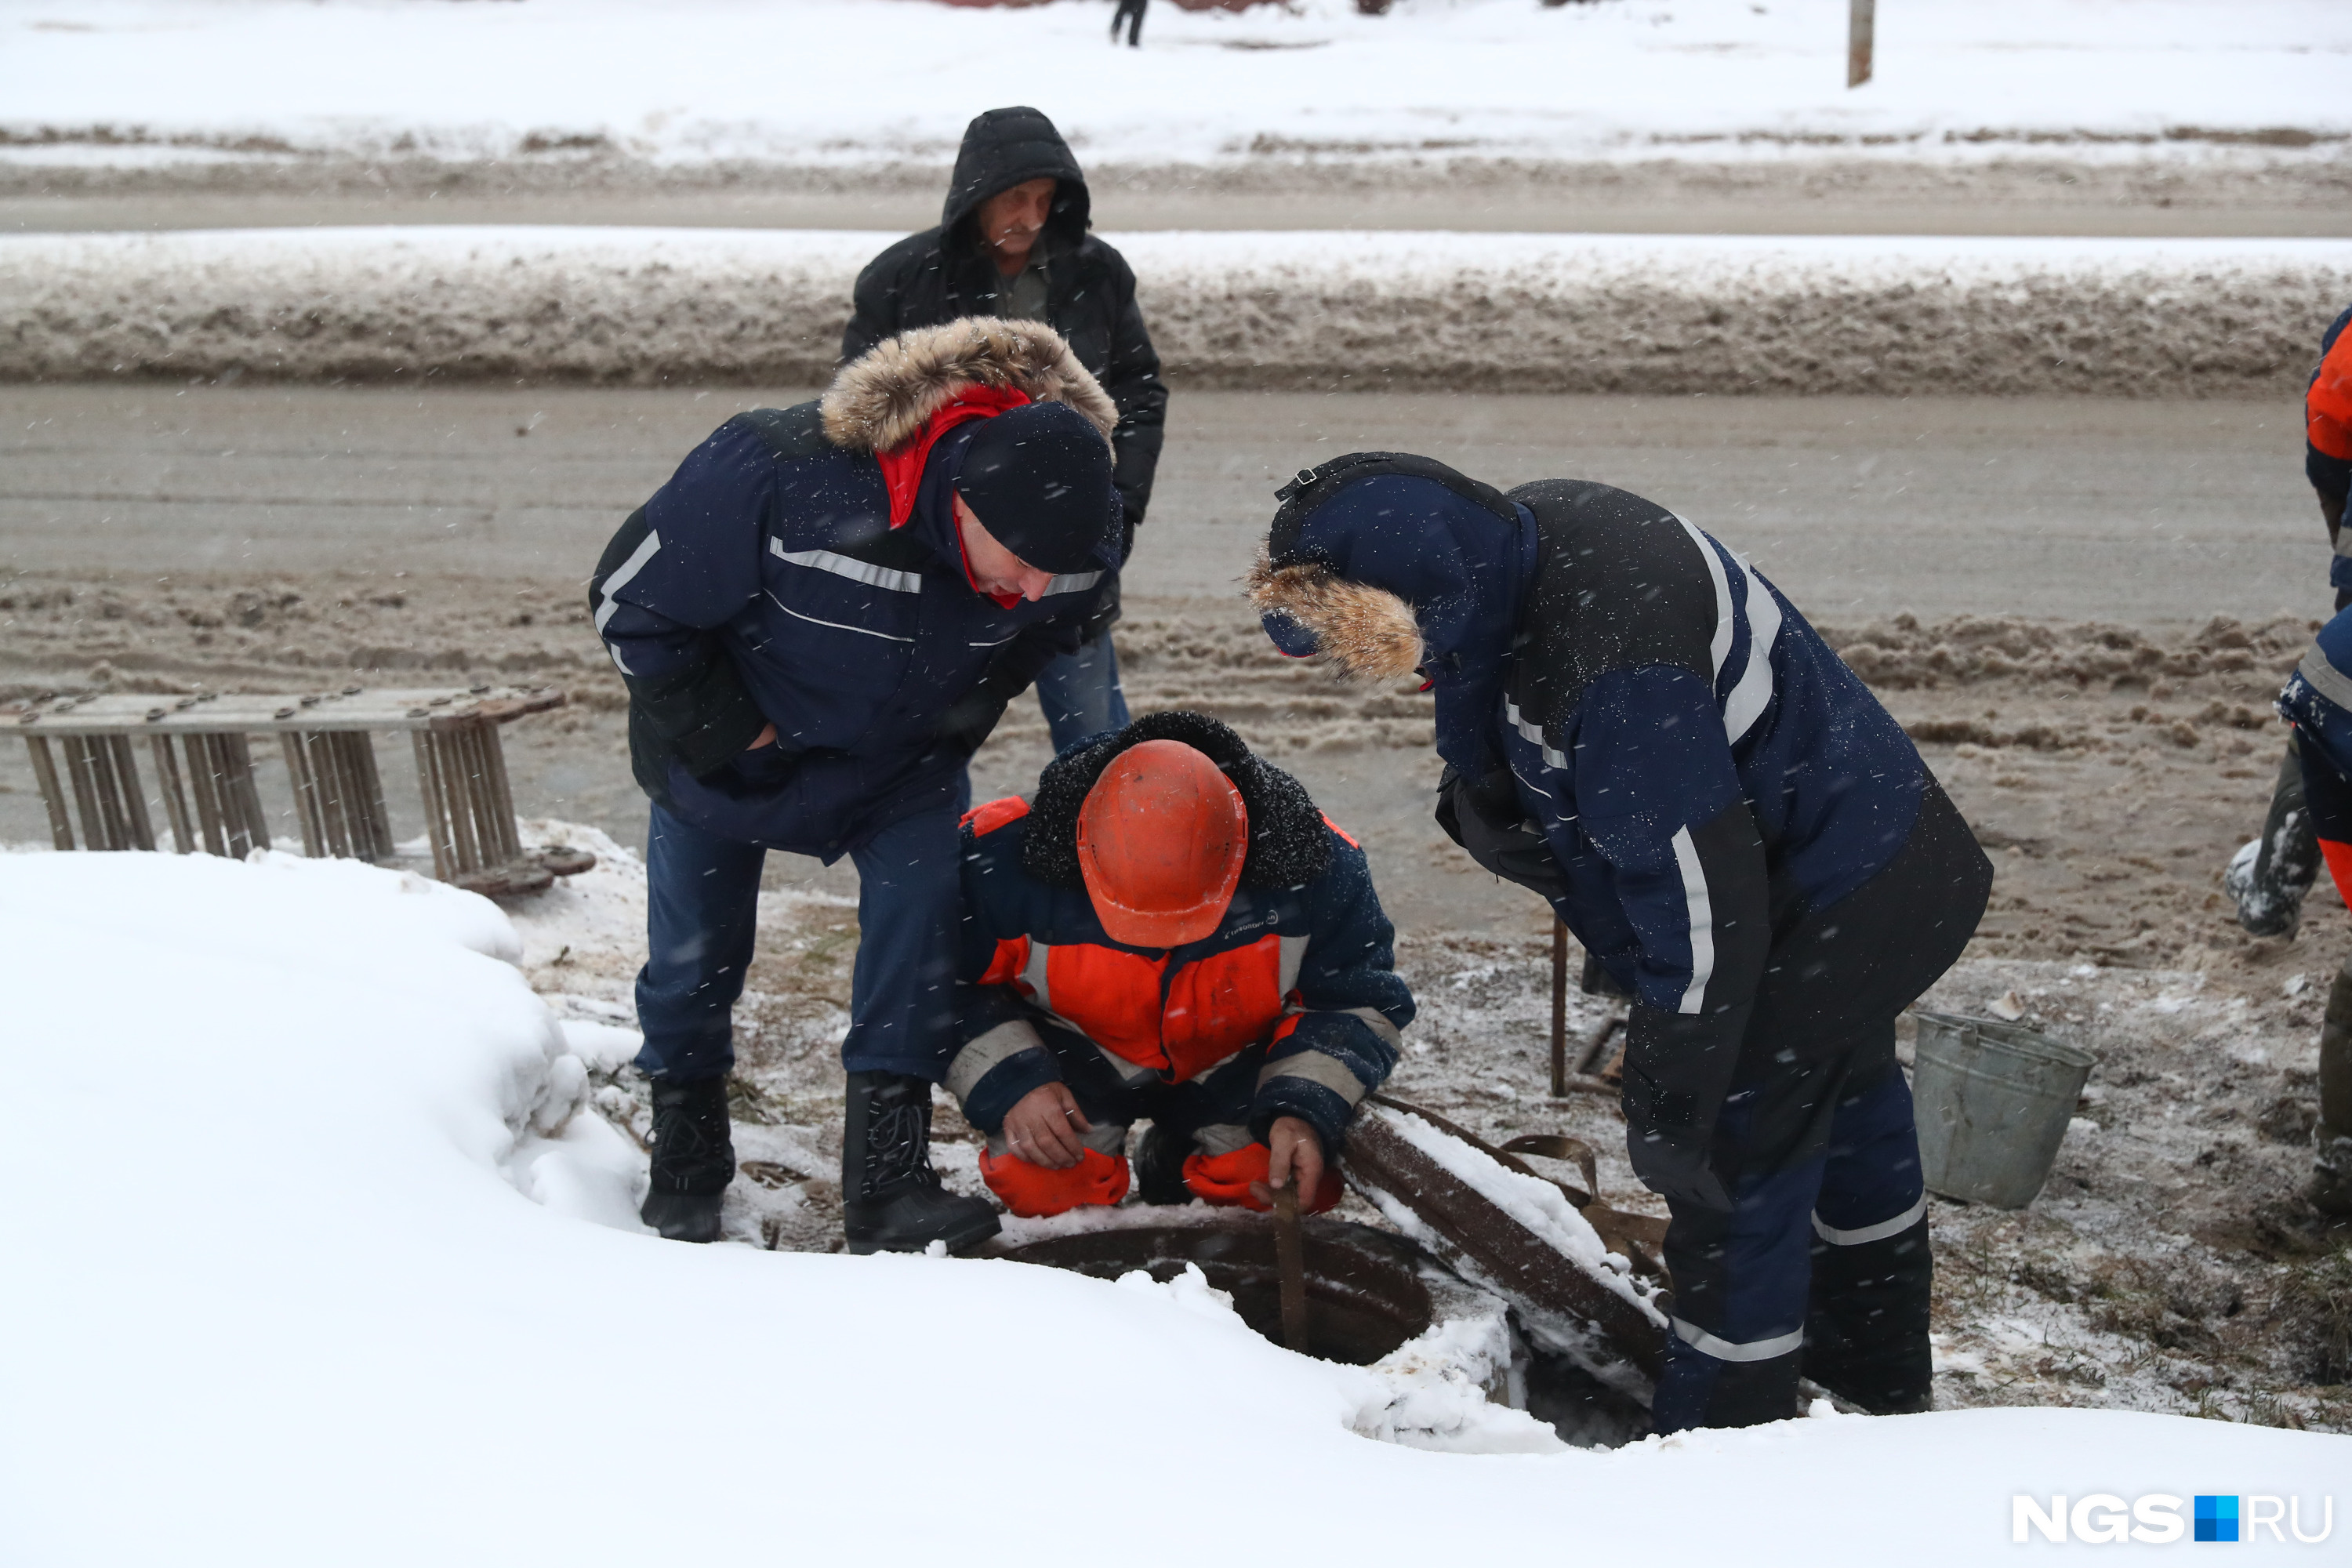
(967, 724)
(1483, 816)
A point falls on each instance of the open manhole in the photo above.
(1366, 1291)
(1369, 1292)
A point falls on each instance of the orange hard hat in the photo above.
(1161, 838)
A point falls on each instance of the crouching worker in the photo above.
(1172, 932)
(1638, 726)
(2317, 702)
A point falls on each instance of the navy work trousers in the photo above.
(1079, 692)
(1822, 1266)
(702, 901)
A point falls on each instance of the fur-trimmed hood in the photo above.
(1289, 843)
(1384, 564)
(885, 397)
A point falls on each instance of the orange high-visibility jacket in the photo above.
(1304, 967)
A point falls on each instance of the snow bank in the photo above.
(853, 81)
(277, 1294)
(1520, 312)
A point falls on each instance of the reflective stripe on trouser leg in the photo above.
(1739, 1318)
(1873, 1270)
(902, 992)
(702, 904)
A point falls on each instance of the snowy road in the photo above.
(2151, 512)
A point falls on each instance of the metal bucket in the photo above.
(1992, 1101)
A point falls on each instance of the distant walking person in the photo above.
(1131, 13)
(1012, 243)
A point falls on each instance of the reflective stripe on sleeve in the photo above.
(1534, 735)
(847, 566)
(2325, 677)
(1072, 583)
(1700, 1340)
(1316, 1068)
(622, 575)
(1294, 953)
(1878, 1232)
(1749, 699)
(1702, 922)
(981, 1056)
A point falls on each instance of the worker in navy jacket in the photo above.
(2317, 702)
(1636, 724)
(819, 618)
(1171, 933)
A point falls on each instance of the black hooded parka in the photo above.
(942, 274)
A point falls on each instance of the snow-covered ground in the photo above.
(1524, 312)
(319, 1252)
(865, 81)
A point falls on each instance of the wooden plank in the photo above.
(1528, 1269)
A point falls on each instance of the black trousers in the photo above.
(1131, 13)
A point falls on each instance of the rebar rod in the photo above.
(133, 794)
(53, 799)
(436, 806)
(204, 782)
(306, 795)
(175, 798)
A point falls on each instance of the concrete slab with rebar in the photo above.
(86, 763)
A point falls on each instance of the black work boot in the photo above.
(2268, 876)
(2331, 1177)
(891, 1199)
(1159, 1167)
(693, 1159)
(1867, 1329)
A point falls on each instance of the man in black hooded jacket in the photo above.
(1012, 241)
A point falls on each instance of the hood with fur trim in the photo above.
(1384, 564)
(885, 398)
(1289, 844)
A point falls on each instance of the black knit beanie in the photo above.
(1038, 477)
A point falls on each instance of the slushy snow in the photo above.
(316, 1253)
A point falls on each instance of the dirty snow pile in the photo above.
(117, 82)
(316, 1254)
(1490, 311)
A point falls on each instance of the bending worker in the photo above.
(1012, 242)
(819, 618)
(1637, 725)
(2317, 702)
(1174, 932)
(2268, 876)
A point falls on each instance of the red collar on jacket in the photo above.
(902, 466)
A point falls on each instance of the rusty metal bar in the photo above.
(306, 794)
(1559, 1007)
(53, 798)
(493, 768)
(327, 775)
(133, 794)
(368, 784)
(175, 798)
(250, 829)
(205, 783)
(1290, 1265)
(457, 781)
(85, 794)
(1860, 40)
(436, 806)
(1529, 1271)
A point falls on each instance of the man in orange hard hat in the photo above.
(1172, 932)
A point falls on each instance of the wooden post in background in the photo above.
(1860, 23)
